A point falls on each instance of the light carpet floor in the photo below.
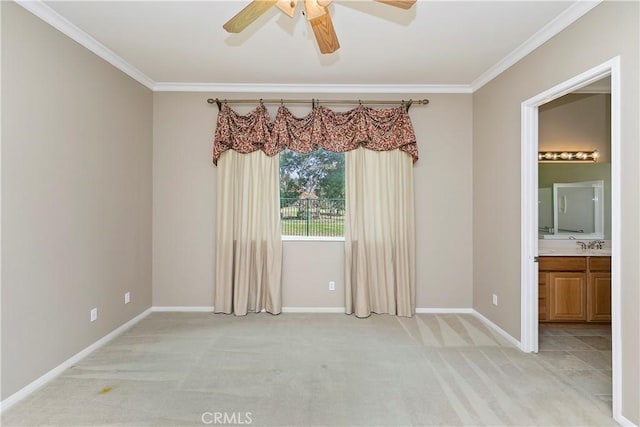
(186, 369)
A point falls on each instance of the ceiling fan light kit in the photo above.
(315, 10)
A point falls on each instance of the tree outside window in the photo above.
(312, 193)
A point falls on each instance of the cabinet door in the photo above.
(567, 296)
(543, 300)
(600, 263)
(599, 297)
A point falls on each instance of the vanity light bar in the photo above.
(568, 156)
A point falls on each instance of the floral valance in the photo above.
(374, 129)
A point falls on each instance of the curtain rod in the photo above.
(315, 102)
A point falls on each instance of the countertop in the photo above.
(571, 248)
(574, 252)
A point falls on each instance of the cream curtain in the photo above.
(248, 242)
(379, 233)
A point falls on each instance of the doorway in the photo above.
(529, 213)
(574, 235)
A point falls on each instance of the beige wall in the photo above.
(577, 121)
(184, 185)
(611, 29)
(76, 197)
(306, 284)
(76, 185)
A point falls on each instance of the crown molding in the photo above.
(308, 88)
(559, 23)
(53, 18)
(59, 22)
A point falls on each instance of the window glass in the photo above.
(312, 194)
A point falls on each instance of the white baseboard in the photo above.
(624, 422)
(498, 329)
(183, 309)
(44, 379)
(313, 310)
(209, 309)
(444, 310)
(341, 310)
(483, 319)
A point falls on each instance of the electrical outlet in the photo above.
(93, 314)
(127, 297)
(332, 285)
(495, 299)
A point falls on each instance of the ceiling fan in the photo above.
(315, 10)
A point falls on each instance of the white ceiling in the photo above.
(450, 43)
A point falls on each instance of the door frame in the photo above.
(529, 214)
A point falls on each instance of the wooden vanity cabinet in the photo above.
(543, 297)
(574, 289)
(599, 289)
(566, 288)
(567, 296)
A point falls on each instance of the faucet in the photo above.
(593, 244)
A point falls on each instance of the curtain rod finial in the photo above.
(408, 104)
(216, 101)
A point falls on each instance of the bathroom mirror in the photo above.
(572, 210)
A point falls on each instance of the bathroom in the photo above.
(574, 229)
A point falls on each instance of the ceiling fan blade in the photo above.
(325, 33)
(313, 10)
(403, 4)
(287, 6)
(247, 15)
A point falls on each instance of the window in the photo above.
(312, 193)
